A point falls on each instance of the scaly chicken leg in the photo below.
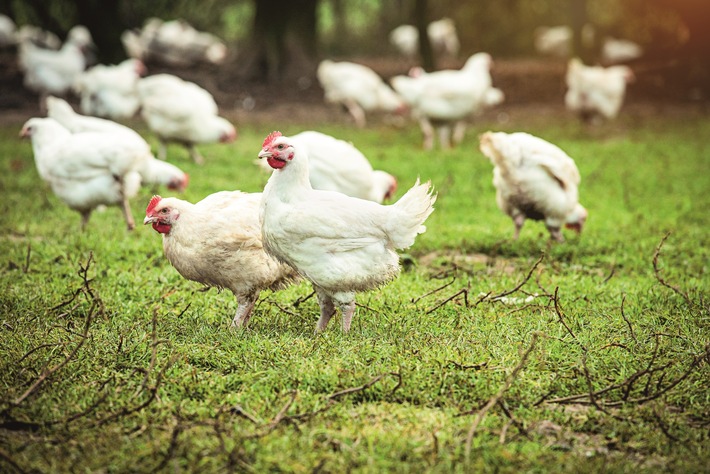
(327, 310)
(245, 305)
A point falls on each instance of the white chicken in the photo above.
(39, 37)
(110, 90)
(442, 35)
(182, 112)
(8, 31)
(534, 179)
(445, 98)
(151, 170)
(341, 244)
(175, 43)
(54, 72)
(595, 91)
(336, 165)
(85, 170)
(358, 88)
(616, 51)
(217, 242)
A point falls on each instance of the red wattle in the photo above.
(274, 163)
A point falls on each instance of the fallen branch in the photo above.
(462, 291)
(558, 310)
(660, 279)
(429, 293)
(497, 397)
(628, 323)
(523, 282)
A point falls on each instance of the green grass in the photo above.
(140, 372)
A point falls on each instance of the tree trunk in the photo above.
(283, 41)
(421, 21)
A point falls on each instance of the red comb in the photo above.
(151, 205)
(272, 136)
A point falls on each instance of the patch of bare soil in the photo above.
(533, 87)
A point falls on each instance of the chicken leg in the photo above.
(195, 155)
(327, 310)
(347, 309)
(245, 305)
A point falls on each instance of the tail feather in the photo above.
(409, 214)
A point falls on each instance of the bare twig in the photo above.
(497, 397)
(660, 279)
(282, 413)
(560, 315)
(238, 410)
(628, 323)
(435, 290)
(519, 285)
(302, 299)
(462, 291)
(26, 267)
(48, 372)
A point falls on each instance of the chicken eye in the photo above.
(280, 147)
(164, 210)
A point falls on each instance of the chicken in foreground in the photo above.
(536, 180)
(445, 99)
(341, 244)
(336, 165)
(182, 112)
(358, 88)
(217, 242)
(85, 170)
(151, 170)
(596, 92)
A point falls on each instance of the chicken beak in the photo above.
(265, 154)
(148, 220)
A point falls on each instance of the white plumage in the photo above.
(594, 91)
(217, 242)
(445, 98)
(442, 35)
(8, 31)
(152, 171)
(85, 170)
(341, 244)
(54, 72)
(336, 165)
(182, 112)
(534, 179)
(358, 88)
(110, 90)
(175, 43)
(617, 51)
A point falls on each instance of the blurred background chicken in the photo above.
(442, 35)
(53, 72)
(358, 88)
(336, 165)
(110, 90)
(217, 242)
(173, 43)
(536, 180)
(182, 112)
(445, 99)
(596, 92)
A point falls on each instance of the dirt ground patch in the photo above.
(532, 87)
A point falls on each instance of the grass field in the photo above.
(594, 357)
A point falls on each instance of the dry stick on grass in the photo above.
(519, 285)
(95, 303)
(558, 310)
(333, 398)
(628, 323)
(462, 291)
(660, 279)
(435, 290)
(497, 397)
(26, 267)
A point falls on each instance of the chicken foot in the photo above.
(195, 155)
(327, 310)
(347, 309)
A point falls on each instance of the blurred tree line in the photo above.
(279, 39)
